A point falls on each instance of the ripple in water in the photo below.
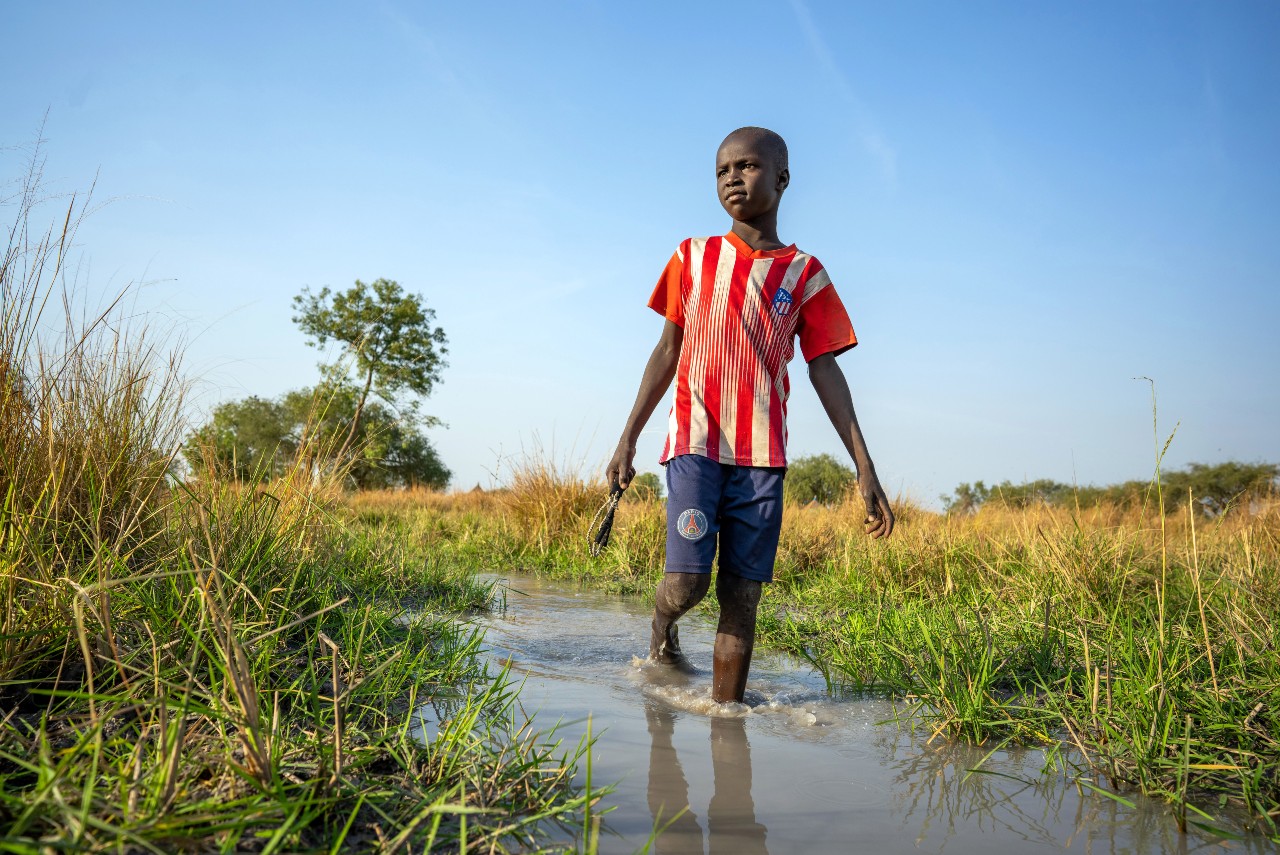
(796, 710)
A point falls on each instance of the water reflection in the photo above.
(731, 821)
(834, 777)
(944, 795)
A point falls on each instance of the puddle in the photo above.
(793, 769)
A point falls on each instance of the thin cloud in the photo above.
(1213, 120)
(873, 140)
(421, 40)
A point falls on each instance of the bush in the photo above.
(645, 487)
(1215, 489)
(257, 438)
(818, 478)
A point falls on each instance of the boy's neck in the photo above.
(760, 233)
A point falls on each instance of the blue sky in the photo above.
(1024, 206)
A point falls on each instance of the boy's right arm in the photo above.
(658, 372)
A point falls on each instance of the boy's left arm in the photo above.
(833, 390)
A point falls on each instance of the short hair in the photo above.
(770, 141)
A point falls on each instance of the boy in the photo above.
(733, 306)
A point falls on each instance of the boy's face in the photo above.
(748, 180)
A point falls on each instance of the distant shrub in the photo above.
(258, 438)
(1214, 489)
(818, 478)
(645, 487)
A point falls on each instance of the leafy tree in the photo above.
(645, 487)
(251, 438)
(390, 451)
(1042, 491)
(1214, 488)
(261, 438)
(966, 498)
(388, 335)
(818, 478)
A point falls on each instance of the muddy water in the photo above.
(793, 770)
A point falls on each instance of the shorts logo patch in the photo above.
(692, 524)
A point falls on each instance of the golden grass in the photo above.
(1145, 643)
(195, 665)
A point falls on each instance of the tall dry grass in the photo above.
(90, 427)
(191, 664)
(548, 500)
(1143, 648)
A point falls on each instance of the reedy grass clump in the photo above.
(191, 665)
(548, 500)
(88, 426)
(1147, 644)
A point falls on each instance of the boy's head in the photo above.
(751, 172)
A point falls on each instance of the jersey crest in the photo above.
(782, 302)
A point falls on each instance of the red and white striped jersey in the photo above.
(741, 310)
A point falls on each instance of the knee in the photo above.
(680, 592)
(739, 599)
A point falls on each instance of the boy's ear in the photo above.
(784, 179)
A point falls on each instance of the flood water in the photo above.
(794, 770)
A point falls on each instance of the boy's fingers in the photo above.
(621, 474)
(879, 520)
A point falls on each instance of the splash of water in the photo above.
(661, 685)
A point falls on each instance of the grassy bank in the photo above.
(187, 666)
(1147, 643)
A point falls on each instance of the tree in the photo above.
(388, 337)
(966, 499)
(390, 451)
(1214, 488)
(246, 439)
(257, 438)
(645, 487)
(818, 478)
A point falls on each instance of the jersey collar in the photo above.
(744, 248)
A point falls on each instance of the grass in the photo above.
(194, 665)
(1141, 648)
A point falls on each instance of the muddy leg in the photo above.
(735, 636)
(677, 593)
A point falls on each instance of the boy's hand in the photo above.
(879, 520)
(620, 471)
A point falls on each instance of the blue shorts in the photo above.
(741, 506)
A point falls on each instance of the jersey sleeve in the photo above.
(824, 324)
(667, 298)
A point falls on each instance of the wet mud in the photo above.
(793, 769)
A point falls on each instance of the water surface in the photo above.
(794, 770)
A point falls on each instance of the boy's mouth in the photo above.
(735, 196)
